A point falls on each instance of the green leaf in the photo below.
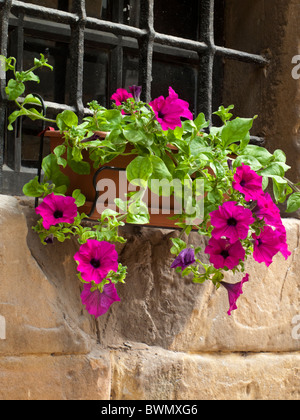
(59, 151)
(52, 171)
(14, 115)
(113, 116)
(224, 113)
(139, 171)
(134, 135)
(79, 198)
(33, 188)
(293, 203)
(34, 114)
(279, 156)
(42, 62)
(200, 122)
(31, 99)
(159, 169)
(138, 213)
(25, 76)
(67, 119)
(14, 89)
(251, 161)
(178, 246)
(236, 130)
(260, 153)
(272, 169)
(79, 167)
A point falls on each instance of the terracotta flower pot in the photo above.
(160, 209)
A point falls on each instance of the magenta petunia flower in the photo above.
(224, 254)
(267, 210)
(281, 233)
(96, 259)
(234, 292)
(169, 110)
(185, 258)
(57, 209)
(121, 96)
(266, 246)
(231, 221)
(97, 303)
(247, 182)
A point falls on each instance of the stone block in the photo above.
(157, 374)
(39, 313)
(160, 308)
(72, 377)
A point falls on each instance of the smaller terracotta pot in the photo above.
(160, 209)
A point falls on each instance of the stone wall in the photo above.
(167, 339)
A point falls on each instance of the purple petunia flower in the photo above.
(234, 292)
(169, 110)
(248, 182)
(96, 259)
(185, 258)
(224, 254)
(57, 209)
(266, 245)
(98, 303)
(231, 221)
(136, 92)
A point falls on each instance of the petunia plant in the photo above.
(227, 189)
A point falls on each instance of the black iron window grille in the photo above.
(100, 45)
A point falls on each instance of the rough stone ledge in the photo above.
(56, 377)
(157, 374)
(139, 372)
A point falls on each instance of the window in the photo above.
(97, 46)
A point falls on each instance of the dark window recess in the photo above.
(97, 46)
(177, 18)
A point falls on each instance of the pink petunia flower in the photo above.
(281, 233)
(266, 246)
(96, 259)
(98, 303)
(267, 210)
(169, 110)
(234, 292)
(57, 209)
(185, 258)
(248, 182)
(224, 254)
(121, 96)
(231, 221)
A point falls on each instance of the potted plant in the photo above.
(213, 180)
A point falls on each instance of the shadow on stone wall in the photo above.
(155, 301)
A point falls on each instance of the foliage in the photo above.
(184, 152)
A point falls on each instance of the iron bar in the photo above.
(146, 44)
(206, 67)
(46, 13)
(4, 18)
(76, 28)
(77, 56)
